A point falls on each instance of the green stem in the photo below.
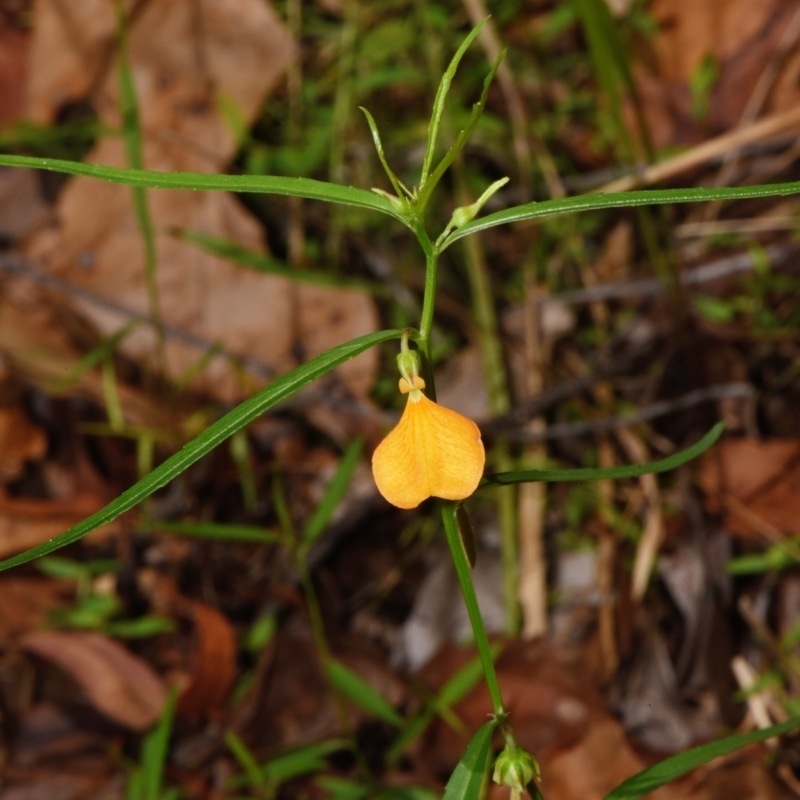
(473, 610)
(428, 302)
(423, 339)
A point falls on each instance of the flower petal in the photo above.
(432, 451)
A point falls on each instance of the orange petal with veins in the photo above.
(432, 452)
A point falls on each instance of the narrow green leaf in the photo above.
(302, 761)
(214, 530)
(607, 51)
(407, 793)
(454, 689)
(399, 189)
(149, 625)
(594, 202)
(261, 262)
(462, 682)
(462, 138)
(291, 764)
(155, 749)
(334, 493)
(360, 692)
(467, 778)
(342, 788)
(98, 355)
(670, 768)
(66, 569)
(256, 184)
(277, 391)
(247, 761)
(132, 136)
(591, 474)
(438, 103)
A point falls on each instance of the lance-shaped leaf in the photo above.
(467, 778)
(438, 103)
(426, 190)
(595, 202)
(255, 184)
(671, 768)
(591, 474)
(217, 433)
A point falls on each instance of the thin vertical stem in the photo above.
(428, 303)
(294, 132)
(132, 137)
(473, 610)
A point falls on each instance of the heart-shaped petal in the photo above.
(432, 452)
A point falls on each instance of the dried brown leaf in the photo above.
(213, 662)
(117, 683)
(184, 57)
(755, 485)
(20, 441)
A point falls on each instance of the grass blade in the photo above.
(334, 493)
(261, 262)
(97, 356)
(461, 139)
(289, 765)
(217, 433)
(361, 693)
(670, 768)
(247, 761)
(218, 531)
(594, 202)
(302, 761)
(376, 140)
(467, 778)
(255, 184)
(592, 474)
(454, 689)
(438, 103)
(155, 749)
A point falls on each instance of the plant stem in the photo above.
(473, 610)
(428, 303)
(431, 264)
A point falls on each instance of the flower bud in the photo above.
(516, 768)
(408, 364)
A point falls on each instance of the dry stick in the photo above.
(650, 543)
(716, 270)
(606, 553)
(727, 142)
(532, 590)
(18, 267)
(565, 430)
(688, 230)
(294, 88)
(759, 703)
(342, 103)
(603, 394)
(771, 642)
(761, 526)
(496, 378)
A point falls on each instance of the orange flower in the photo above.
(432, 452)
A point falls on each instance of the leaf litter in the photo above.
(624, 677)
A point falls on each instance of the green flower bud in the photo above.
(515, 768)
(408, 364)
